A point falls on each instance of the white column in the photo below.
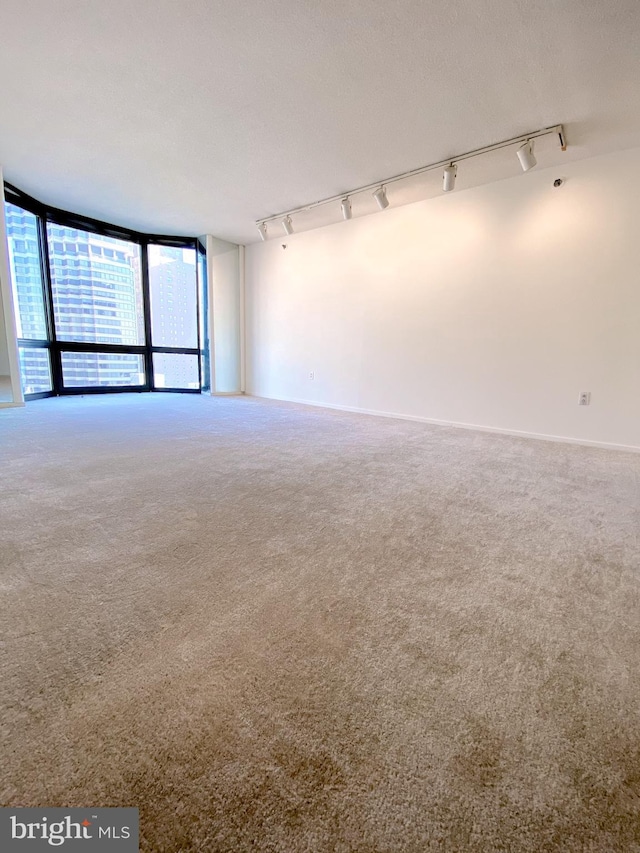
(225, 311)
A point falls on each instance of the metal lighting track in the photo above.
(525, 137)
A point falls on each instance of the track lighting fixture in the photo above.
(380, 196)
(287, 224)
(524, 151)
(449, 178)
(525, 155)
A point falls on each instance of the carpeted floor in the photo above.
(277, 628)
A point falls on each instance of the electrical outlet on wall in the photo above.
(312, 375)
(585, 398)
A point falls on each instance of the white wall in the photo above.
(4, 349)
(4, 346)
(223, 271)
(492, 307)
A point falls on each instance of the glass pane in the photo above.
(26, 274)
(173, 288)
(35, 370)
(86, 369)
(173, 370)
(97, 287)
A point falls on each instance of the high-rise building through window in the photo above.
(174, 315)
(99, 306)
(26, 272)
(28, 296)
(96, 287)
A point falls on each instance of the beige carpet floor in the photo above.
(277, 628)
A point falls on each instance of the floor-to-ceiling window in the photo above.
(101, 308)
(23, 239)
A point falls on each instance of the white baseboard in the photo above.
(628, 448)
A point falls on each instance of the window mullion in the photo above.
(54, 351)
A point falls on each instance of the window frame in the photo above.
(47, 214)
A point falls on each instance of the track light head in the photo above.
(287, 224)
(525, 155)
(380, 196)
(449, 178)
(262, 228)
(345, 204)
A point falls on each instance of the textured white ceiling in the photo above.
(200, 116)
